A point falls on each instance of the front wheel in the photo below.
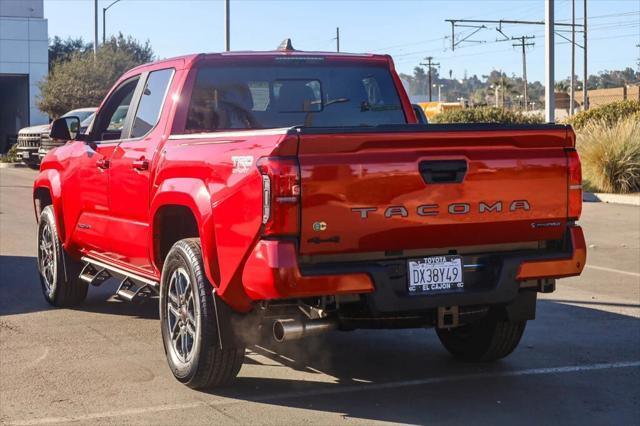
(487, 339)
(189, 321)
(59, 273)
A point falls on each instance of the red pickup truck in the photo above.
(290, 193)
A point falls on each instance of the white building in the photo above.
(23, 63)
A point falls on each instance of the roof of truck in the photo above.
(196, 57)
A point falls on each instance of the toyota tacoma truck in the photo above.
(289, 193)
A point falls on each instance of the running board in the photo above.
(132, 286)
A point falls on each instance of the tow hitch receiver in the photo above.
(448, 316)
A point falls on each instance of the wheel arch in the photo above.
(187, 203)
(47, 191)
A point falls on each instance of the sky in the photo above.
(409, 30)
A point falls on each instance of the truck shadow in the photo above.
(22, 293)
(406, 376)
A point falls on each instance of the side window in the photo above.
(110, 120)
(151, 102)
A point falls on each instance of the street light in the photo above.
(104, 19)
(439, 86)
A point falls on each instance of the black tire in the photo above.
(486, 339)
(59, 273)
(193, 316)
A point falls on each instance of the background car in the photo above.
(86, 116)
(30, 138)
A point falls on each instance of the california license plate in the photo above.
(435, 274)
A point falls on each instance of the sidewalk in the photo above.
(628, 199)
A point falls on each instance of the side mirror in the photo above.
(65, 128)
(420, 115)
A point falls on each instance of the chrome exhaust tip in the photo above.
(292, 329)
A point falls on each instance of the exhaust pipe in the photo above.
(291, 329)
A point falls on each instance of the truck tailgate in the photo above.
(391, 190)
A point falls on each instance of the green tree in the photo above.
(141, 53)
(61, 50)
(83, 81)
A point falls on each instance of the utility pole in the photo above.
(502, 87)
(429, 64)
(227, 26)
(95, 29)
(337, 39)
(549, 95)
(585, 99)
(523, 43)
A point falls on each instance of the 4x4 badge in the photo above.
(320, 226)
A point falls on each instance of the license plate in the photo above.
(435, 274)
(25, 155)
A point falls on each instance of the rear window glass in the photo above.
(292, 94)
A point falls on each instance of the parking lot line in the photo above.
(332, 391)
(617, 271)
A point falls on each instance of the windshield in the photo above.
(293, 94)
(82, 114)
(87, 121)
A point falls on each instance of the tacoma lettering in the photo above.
(452, 209)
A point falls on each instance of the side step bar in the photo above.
(132, 286)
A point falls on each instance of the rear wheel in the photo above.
(486, 339)
(189, 321)
(59, 273)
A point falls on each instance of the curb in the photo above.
(12, 166)
(627, 199)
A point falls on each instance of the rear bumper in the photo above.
(272, 272)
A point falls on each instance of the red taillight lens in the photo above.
(280, 195)
(575, 185)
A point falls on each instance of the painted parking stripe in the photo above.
(331, 391)
(617, 271)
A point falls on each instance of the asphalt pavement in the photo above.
(103, 362)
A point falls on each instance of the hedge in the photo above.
(608, 114)
(487, 115)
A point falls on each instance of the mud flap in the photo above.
(234, 329)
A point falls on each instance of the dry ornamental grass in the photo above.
(610, 155)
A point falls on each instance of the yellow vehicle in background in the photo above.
(431, 109)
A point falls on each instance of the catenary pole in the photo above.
(95, 29)
(227, 26)
(585, 93)
(549, 106)
(572, 89)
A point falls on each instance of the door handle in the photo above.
(443, 171)
(102, 163)
(140, 164)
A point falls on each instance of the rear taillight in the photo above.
(575, 185)
(280, 195)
